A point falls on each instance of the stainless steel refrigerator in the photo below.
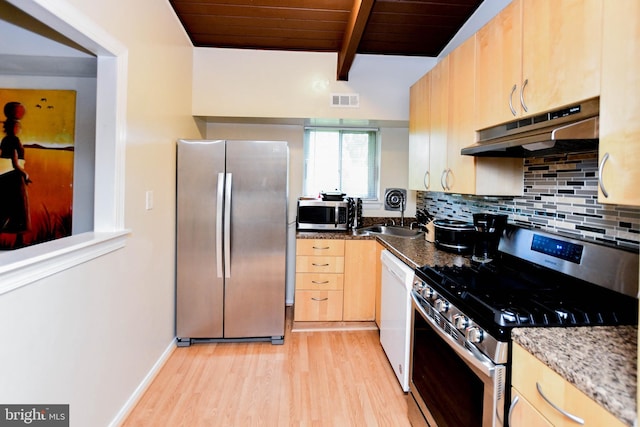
(231, 240)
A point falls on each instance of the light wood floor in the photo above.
(317, 378)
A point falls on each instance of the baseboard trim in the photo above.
(143, 386)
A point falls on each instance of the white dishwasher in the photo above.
(395, 314)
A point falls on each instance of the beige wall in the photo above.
(89, 335)
(249, 83)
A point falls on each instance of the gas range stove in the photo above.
(539, 280)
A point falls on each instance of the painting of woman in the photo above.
(14, 199)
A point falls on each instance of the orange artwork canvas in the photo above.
(36, 165)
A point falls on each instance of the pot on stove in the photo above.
(454, 235)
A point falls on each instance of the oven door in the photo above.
(451, 384)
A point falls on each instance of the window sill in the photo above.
(27, 265)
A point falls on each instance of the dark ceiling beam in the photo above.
(355, 28)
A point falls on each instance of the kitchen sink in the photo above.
(390, 230)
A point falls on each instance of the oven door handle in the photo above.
(476, 359)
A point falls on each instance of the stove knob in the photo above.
(460, 321)
(474, 334)
(418, 286)
(441, 305)
(428, 292)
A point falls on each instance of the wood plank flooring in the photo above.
(317, 378)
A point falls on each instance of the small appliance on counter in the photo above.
(323, 215)
(489, 229)
(455, 236)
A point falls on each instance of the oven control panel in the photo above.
(567, 251)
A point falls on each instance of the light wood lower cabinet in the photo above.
(359, 280)
(336, 280)
(532, 379)
(319, 280)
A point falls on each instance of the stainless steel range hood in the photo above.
(567, 130)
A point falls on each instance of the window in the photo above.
(341, 159)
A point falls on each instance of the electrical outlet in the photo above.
(149, 200)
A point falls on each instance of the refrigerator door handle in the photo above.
(219, 217)
(227, 226)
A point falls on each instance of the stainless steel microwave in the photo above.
(322, 215)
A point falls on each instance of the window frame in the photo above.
(375, 162)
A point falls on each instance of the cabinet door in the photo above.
(533, 379)
(319, 264)
(419, 134)
(319, 281)
(522, 414)
(322, 247)
(318, 306)
(461, 133)
(359, 280)
(620, 103)
(439, 121)
(561, 52)
(499, 67)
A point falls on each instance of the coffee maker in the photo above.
(489, 229)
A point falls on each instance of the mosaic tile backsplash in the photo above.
(560, 195)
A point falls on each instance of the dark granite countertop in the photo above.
(600, 361)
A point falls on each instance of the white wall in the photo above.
(250, 83)
(89, 335)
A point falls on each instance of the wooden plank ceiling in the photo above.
(348, 27)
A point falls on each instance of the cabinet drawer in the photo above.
(319, 281)
(319, 264)
(322, 247)
(529, 373)
(318, 306)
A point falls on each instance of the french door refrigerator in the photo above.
(231, 240)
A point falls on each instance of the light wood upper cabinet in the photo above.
(620, 104)
(460, 176)
(419, 126)
(439, 122)
(532, 379)
(499, 67)
(450, 106)
(536, 55)
(561, 52)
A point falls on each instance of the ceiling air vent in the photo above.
(345, 100)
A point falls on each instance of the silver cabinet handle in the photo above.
(319, 283)
(321, 249)
(219, 218)
(319, 299)
(426, 179)
(319, 265)
(514, 402)
(446, 179)
(513, 110)
(524, 106)
(562, 411)
(605, 193)
(442, 179)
